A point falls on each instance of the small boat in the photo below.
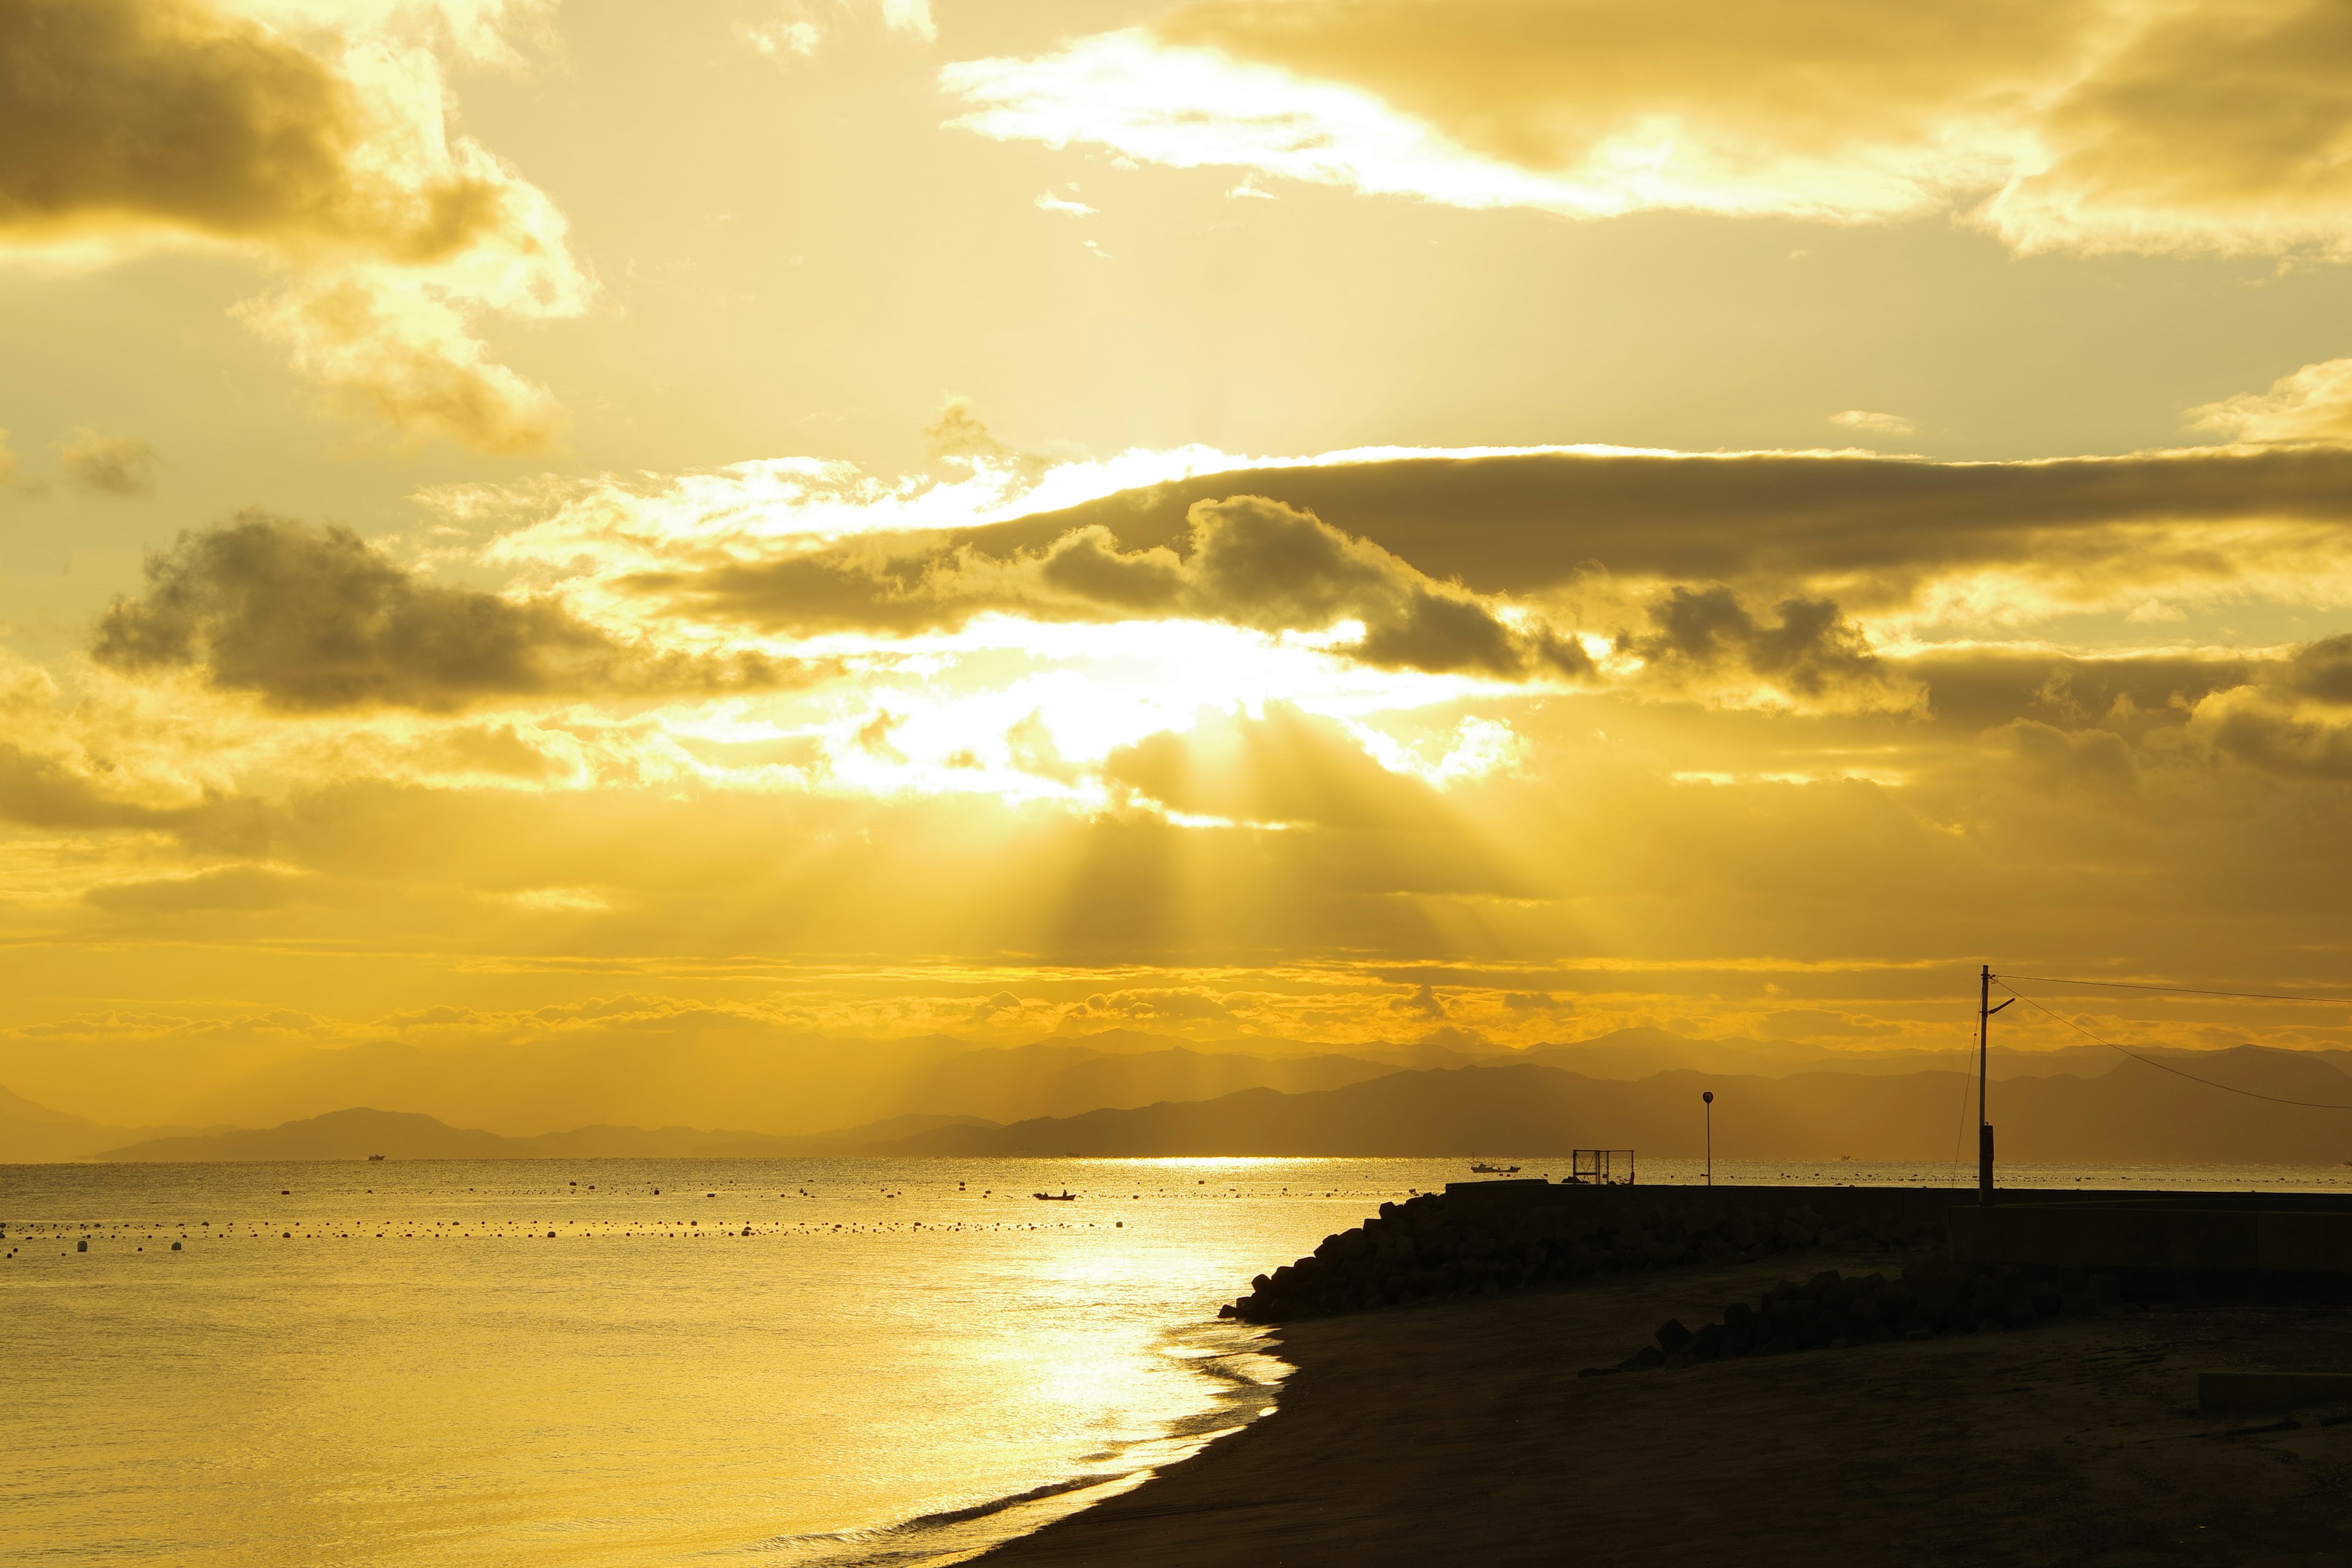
(1480, 1167)
(375, 1156)
(1064, 1196)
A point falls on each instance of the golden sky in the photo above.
(1334, 520)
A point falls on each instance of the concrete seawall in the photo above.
(2302, 1234)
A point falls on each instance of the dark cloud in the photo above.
(1977, 689)
(2090, 759)
(2322, 671)
(1477, 564)
(1812, 650)
(2276, 741)
(311, 619)
(127, 121)
(1242, 559)
(118, 112)
(1531, 523)
(51, 792)
(110, 465)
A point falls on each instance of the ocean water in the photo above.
(632, 1363)
(398, 1364)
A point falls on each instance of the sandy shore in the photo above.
(1462, 1432)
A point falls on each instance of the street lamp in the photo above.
(1709, 1098)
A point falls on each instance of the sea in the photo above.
(628, 1362)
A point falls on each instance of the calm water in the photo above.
(901, 1362)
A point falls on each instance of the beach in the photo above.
(1463, 1432)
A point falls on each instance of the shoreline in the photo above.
(1462, 1431)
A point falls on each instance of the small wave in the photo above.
(1235, 1360)
(916, 1540)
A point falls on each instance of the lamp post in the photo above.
(1985, 1010)
(1708, 1098)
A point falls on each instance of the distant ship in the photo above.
(1064, 1196)
(1481, 1168)
(375, 1156)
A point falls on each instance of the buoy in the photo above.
(175, 1246)
(82, 1245)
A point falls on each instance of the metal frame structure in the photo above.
(1601, 1167)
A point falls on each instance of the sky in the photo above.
(1309, 521)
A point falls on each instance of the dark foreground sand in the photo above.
(1462, 1434)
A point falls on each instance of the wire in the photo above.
(2178, 991)
(2250, 1094)
(1960, 1127)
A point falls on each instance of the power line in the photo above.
(2178, 991)
(2151, 1061)
(1960, 1128)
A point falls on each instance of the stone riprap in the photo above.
(1836, 1310)
(1476, 1240)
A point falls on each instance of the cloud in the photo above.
(2089, 759)
(45, 790)
(796, 31)
(110, 465)
(1980, 689)
(1285, 766)
(1344, 824)
(2291, 718)
(321, 148)
(313, 619)
(1875, 423)
(1246, 561)
(2078, 124)
(2314, 403)
(228, 887)
(1813, 651)
(1762, 576)
(1880, 532)
(2322, 672)
(398, 352)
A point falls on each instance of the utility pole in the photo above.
(1985, 1010)
(1709, 1098)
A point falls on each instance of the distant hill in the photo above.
(357, 1134)
(697, 1074)
(1641, 1052)
(34, 1135)
(791, 1085)
(2134, 1111)
(339, 1136)
(2134, 1114)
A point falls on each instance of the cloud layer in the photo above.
(313, 619)
(2081, 125)
(324, 149)
(1244, 561)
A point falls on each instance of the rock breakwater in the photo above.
(1838, 1311)
(1479, 1242)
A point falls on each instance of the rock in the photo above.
(1672, 1336)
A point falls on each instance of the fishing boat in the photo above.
(1064, 1196)
(375, 1156)
(1480, 1167)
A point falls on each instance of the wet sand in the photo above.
(1460, 1433)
